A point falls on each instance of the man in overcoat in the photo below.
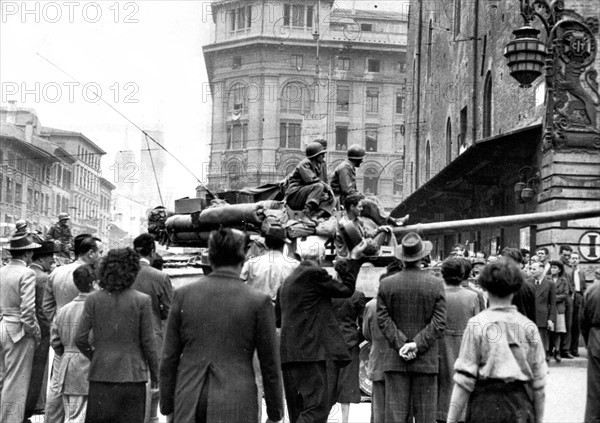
(19, 329)
(411, 312)
(310, 336)
(545, 303)
(42, 263)
(213, 329)
(590, 329)
(579, 292)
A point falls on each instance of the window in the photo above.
(427, 161)
(29, 199)
(371, 139)
(295, 98)
(298, 16)
(366, 27)
(297, 61)
(9, 190)
(373, 65)
(290, 135)
(237, 62)
(240, 18)
(343, 63)
(398, 182)
(237, 102)
(18, 193)
(429, 38)
(36, 201)
(372, 100)
(341, 138)
(401, 67)
(462, 137)
(399, 104)
(487, 105)
(371, 180)
(448, 141)
(457, 12)
(343, 99)
(237, 136)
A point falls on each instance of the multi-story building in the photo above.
(479, 139)
(85, 189)
(284, 73)
(45, 172)
(105, 210)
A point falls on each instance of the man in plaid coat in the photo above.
(411, 313)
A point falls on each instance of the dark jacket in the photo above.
(157, 285)
(349, 314)
(309, 329)
(343, 182)
(124, 346)
(411, 306)
(545, 302)
(564, 291)
(524, 299)
(213, 329)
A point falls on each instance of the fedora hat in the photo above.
(413, 248)
(48, 247)
(22, 242)
(276, 231)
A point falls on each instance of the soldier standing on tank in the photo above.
(61, 235)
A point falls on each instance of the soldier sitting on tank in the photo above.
(61, 235)
(353, 228)
(343, 182)
(307, 188)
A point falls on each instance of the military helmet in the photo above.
(314, 149)
(356, 152)
(63, 216)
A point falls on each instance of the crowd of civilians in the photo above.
(471, 346)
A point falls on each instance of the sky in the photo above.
(144, 57)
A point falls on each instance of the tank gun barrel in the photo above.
(497, 221)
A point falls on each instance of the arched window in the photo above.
(234, 176)
(487, 106)
(427, 161)
(448, 141)
(371, 181)
(295, 98)
(398, 182)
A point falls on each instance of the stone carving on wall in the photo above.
(571, 118)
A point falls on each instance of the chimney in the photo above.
(29, 132)
(11, 112)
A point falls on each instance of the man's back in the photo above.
(411, 307)
(268, 271)
(158, 286)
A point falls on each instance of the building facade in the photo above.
(284, 73)
(481, 145)
(105, 210)
(46, 171)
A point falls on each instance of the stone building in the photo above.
(284, 73)
(105, 209)
(47, 171)
(482, 146)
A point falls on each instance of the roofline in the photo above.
(107, 183)
(47, 131)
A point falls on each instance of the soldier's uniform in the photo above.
(62, 234)
(343, 182)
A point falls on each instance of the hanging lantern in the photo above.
(525, 55)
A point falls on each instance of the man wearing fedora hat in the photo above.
(19, 330)
(61, 290)
(307, 188)
(41, 263)
(61, 234)
(411, 313)
(266, 273)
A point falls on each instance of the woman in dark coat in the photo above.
(124, 348)
(461, 305)
(563, 292)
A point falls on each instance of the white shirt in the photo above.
(576, 279)
(268, 271)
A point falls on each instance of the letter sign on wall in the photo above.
(589, 246)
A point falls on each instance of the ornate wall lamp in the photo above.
(566, 59)
(529, 181)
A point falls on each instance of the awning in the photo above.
(485, 163)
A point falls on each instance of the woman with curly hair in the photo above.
(500, 373)
(123, 339)
(563, 292)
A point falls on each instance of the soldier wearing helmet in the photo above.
(308, 190)
(61, 235)
(343, 182)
